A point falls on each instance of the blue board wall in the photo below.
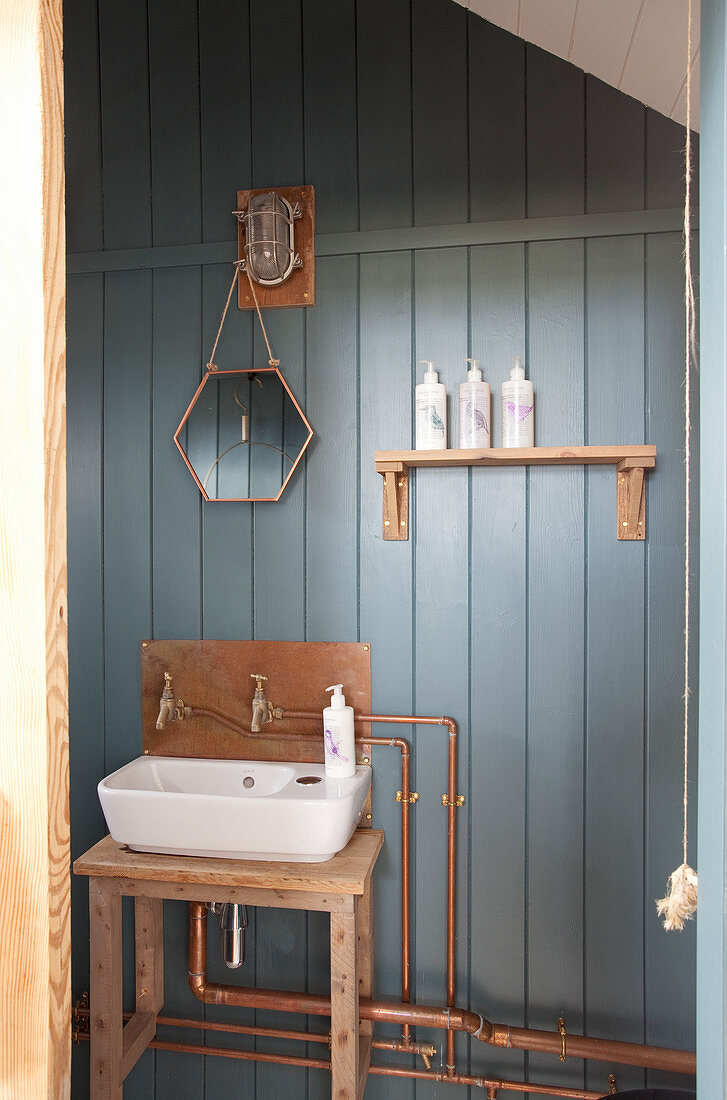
(512, 607)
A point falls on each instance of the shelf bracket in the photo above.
(396, 501)
(630, 501)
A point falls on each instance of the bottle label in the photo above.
(430, 425)
(474, 428)
(333, 747)
(517, 420)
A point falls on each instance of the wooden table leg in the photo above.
(105, 989)
(365, 978)
(344, 1002)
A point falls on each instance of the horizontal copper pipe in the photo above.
(600, 1050)
(274, 1033)
(492, 1084)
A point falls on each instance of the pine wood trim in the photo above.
(56, 571)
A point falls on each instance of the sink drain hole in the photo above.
(248, 782)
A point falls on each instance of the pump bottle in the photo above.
(431, 411)
(338, 736)
(474, 410)
(518, 407)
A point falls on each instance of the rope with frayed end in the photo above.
(680, 902)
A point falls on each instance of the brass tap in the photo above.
(262, 710)
(167, 712)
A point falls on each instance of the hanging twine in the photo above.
(211, 365)
(680, 902)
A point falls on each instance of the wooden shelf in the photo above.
(630, 461)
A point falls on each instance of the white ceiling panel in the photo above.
(550, 25)
(655, 66)
(602, 36)
(638, 46)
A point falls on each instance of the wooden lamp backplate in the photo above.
(299, 289)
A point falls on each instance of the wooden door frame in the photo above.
(34, 865)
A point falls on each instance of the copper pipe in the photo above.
(276, 1033)
(419, 720)
(580, 1046)
(402, 744)
(678, 1061)
(600, 1050)
(492, 1084)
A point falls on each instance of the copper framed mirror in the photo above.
(243, 435)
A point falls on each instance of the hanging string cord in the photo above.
(271, 361)
(211, 363)
(238, 267)
(680, 902)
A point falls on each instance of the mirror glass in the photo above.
(243, 435)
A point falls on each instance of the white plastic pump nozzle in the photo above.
(338, 699)
(474, 374)
(430, 375)
(518, 370)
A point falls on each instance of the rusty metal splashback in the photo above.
(217, 675)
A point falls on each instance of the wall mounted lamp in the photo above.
(276, 229)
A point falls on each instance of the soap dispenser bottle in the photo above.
(518, 406)
(431, 411)
(338, 736)
(474, 410)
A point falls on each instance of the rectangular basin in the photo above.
(234, 809)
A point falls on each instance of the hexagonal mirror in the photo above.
(243, 435)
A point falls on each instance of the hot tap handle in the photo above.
(259, 677)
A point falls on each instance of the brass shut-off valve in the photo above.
(413, 797)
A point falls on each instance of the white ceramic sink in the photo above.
(237, 809)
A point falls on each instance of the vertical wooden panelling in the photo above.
(441, 595)
(670, 959)
(175, 122)
(224, 76)
(384, 114)
(331, 163)
(496, 610)
(496, 122)
(664, 161)
(84, 214)
(555, 110)
(439, 112)
(386, 590)
(712, 562)
(276, 80)
(555, 656)
(84, 395)
(332, 491)
(176, 600)
(498, 660)
(123, 60)
(615, 127)
(614, 814)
